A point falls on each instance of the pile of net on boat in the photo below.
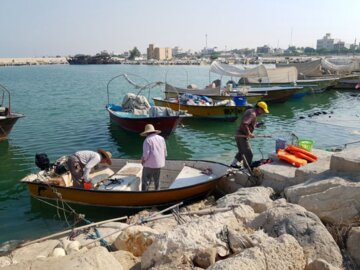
(139, 105)
(191, 99)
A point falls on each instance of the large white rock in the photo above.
(97, 258)
(346, 161)
(322, 198)
(135, 239)
(353, 244)
(321, 264)
(113, 229)
(127, 260)
(280, 253)
(305, 226)
(38, 250)
(189, 239)
(256, 197)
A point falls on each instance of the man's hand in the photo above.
(251, 135)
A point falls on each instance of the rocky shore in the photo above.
(284, 218)
(32, 61)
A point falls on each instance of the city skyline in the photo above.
(48, 28)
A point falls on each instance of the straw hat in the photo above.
(149, 128)
(106, 155)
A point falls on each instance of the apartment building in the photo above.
(158, 53)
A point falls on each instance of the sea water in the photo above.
(64, 107)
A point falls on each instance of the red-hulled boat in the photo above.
(135, 111)
(7, 117)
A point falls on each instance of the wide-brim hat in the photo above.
(106, 155)
(149, 128)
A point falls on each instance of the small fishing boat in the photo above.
(7, 117)
(135, 111)
(119, 185)
(216, 93)
(214, 111)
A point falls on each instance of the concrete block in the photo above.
(302, 174)
(347, 160)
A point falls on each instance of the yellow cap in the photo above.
(263, 106)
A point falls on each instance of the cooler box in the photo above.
(240, 100)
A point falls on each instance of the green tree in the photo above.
(134, 53)
(309, 50)
(214, 55)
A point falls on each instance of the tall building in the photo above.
(326, 42)
(159, 53)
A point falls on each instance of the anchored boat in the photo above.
(7, 117)
(135, 111)
(120, 184)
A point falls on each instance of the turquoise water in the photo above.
(65, 112)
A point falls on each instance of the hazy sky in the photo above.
(30, 28)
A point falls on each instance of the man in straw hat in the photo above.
(81, 163)
(245, 131)
(153, 157)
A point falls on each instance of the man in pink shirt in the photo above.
(153, 157)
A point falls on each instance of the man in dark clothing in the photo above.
(245, 131)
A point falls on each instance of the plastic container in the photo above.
(87, 185)
(280, 144)
(240, 101)
(306, 144)
(229, 87)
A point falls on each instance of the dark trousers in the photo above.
(244, 148)
(149, 174)
(76, 170)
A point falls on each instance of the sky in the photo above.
(36, 28)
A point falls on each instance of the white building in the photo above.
(326, 42)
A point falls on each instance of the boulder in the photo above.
(38, 250)
(184, 242)
(353, 244)
(322, 198)
(305, 226)
(320, 264)
(256, 197)
(346, 161)
(280, 253)
(135, 239)
(127, 260)
(97, 258)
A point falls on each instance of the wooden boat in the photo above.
(136, 112)
(212, 112)
(273, 94)
(7, 117)
(180, 180)
(216, 93)
(136, 123)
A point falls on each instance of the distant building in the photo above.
(326, 42)
(264, 50)
(158, 53)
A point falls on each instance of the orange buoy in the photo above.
(290, 158)
(301, 153)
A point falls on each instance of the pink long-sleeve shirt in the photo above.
(154, 151)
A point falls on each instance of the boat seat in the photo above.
(128, 178)
(190, 176)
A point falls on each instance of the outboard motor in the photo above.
(42, 161)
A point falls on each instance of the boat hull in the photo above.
(167, 125)
(7, 124)
(224, 113)
(122, 198)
